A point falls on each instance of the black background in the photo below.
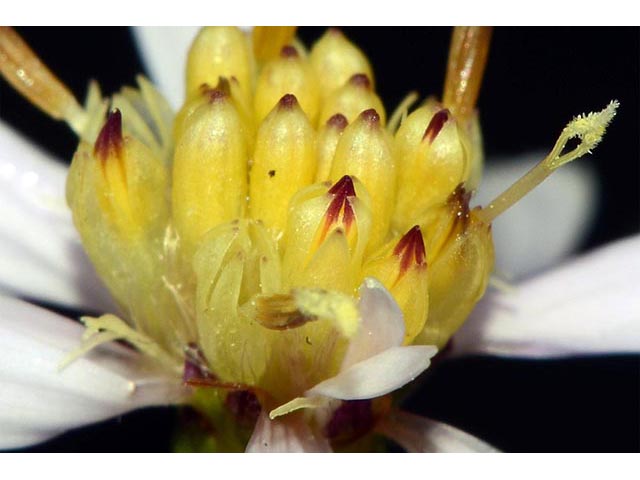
(536, 80)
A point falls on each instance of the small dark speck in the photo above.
(308, 340)
(272, 173)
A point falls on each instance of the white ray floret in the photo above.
(40, 252)
(38, 400)
(418, 434)
(590, 305)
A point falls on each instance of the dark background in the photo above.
(536, 80)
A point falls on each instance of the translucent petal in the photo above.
(164, 51)
(382, 325)
(39, 401)
(546, 225)
(40, 252)
(590, 305)
(419, 434)
(378, 375)
(286, 434)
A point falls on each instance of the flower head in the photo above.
(277, 236)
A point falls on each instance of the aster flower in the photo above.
(343, 206)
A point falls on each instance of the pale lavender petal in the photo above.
(545, 226)
(288, 434)
(419, 434)
(164, 50)
(40, 252)
(590, 305)
(39, 401)
(378, 375)
(381, 327)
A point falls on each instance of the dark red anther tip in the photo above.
(371, 117)
(343, 190)
(289, 51)
(216, 95)
(411, 250)
(338, 121)
(343, 187)
(459, 202)
(223, 85)
(288, 102)
(221, 91)
(435, 125)
(109, 139)
(360, 80)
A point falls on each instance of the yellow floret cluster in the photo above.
(244, 224)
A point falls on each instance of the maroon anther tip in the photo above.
(109, 139)
(371, 117)
(338, 121)
(342, 191)
(216, 95)
(360, 80)
(224, 85)
(343, 187)
(459, 202)
(435, 125)
(411, 250)
(288, 102)
(221, 91)
(289, 51)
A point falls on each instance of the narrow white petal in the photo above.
(419, 434)
(40, 252)
(39, 401)
(164, 50)
(378, 375)
(588, 306)
(381, 327)
(288, 434)
(545, 226)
